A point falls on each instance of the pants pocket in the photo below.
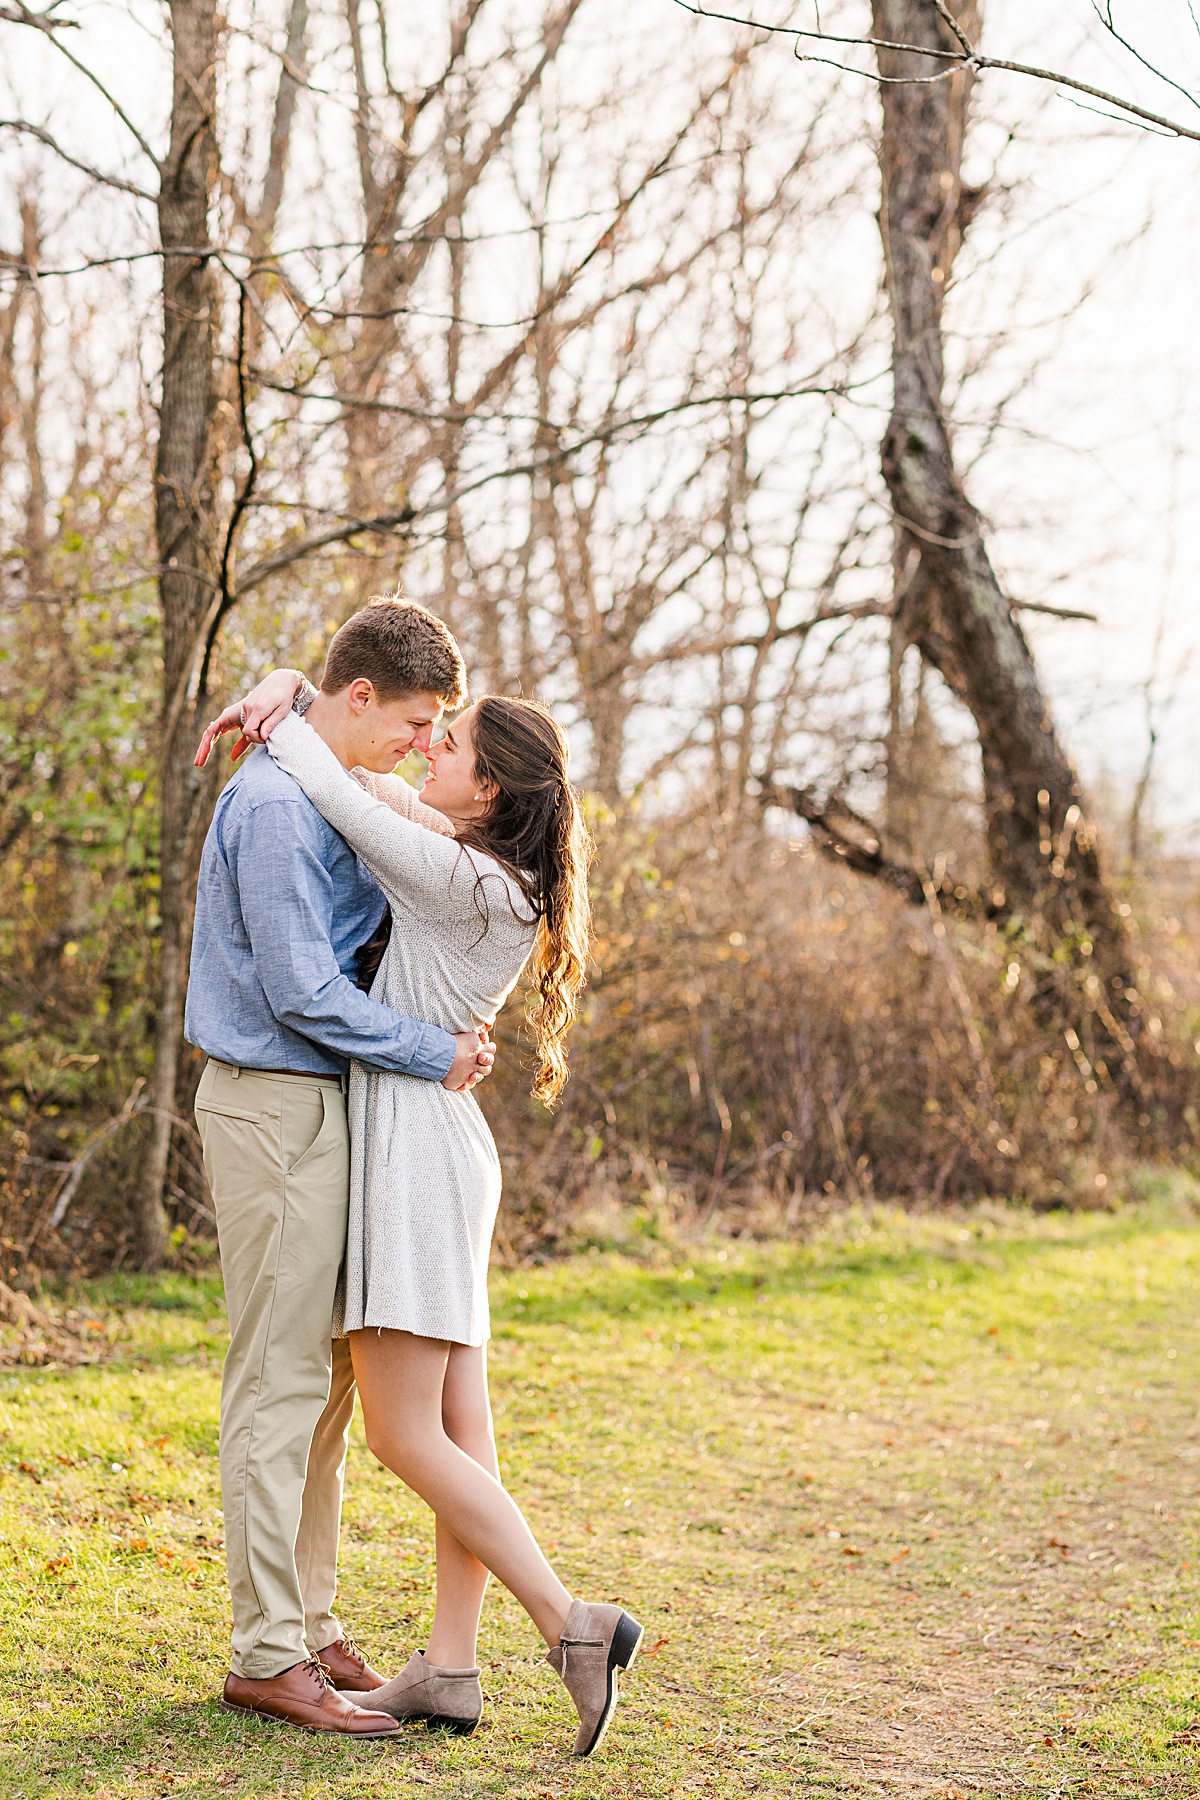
(220, 1093)
(305, 1117)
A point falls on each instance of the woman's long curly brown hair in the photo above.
(535, 829)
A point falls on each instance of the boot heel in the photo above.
(626, 1642)
(460, 1727)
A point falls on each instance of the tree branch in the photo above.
(44, 137)
(848, 839)
(270, 565)
(19, 14)
(960, 58)
(1054, 612)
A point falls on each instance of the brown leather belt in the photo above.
(237, 1069)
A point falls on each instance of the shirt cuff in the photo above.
(436, 1050)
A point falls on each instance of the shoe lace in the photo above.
(348, 1647)
(318, 1671)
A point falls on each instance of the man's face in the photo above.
(384, 731)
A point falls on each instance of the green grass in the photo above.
(909, 1509)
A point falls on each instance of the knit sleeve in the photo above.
(412, 864)
(395, 792)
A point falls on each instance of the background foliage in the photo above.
(582, 335)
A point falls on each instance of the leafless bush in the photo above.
(766, 1037)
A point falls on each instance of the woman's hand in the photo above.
(255, 717)
(472, 1063)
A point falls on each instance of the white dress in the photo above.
(424, 1173)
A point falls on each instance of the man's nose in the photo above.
(422, 739)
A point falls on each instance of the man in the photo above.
(282, 905)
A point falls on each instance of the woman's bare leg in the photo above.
(401, 1381)
(461, 1578)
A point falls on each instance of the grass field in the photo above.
(907, 1510)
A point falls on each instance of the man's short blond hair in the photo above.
(400, 648)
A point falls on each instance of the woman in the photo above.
(485, 872)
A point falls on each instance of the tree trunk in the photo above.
(1042, 850)
(36, 534)
(184, 499)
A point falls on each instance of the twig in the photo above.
(134, 1108)
(958, 987)
(43, 137)
(73, 1174)
(20, 14)
(1054, 612)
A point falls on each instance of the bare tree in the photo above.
(581, 476)
(1043, 850)
(1043, 853)
(186, 527)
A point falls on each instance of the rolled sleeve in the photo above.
(287, 900)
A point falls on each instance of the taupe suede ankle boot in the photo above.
(447, 1699)
(596, 1642)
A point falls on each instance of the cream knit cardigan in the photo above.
(424, 1172)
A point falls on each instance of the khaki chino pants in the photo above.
(277, 1157)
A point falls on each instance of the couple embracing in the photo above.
(353, 945)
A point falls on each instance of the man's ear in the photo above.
(360, 694)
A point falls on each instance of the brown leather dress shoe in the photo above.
(303, 1696)
(348, 1669)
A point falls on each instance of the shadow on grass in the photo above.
(197, 1743)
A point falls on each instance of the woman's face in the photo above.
(452, 786)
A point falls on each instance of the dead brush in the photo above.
(766, 1036)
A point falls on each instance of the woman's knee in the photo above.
(393, 1444)
(411, 1449)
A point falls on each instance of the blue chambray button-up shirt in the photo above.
(282, 905)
